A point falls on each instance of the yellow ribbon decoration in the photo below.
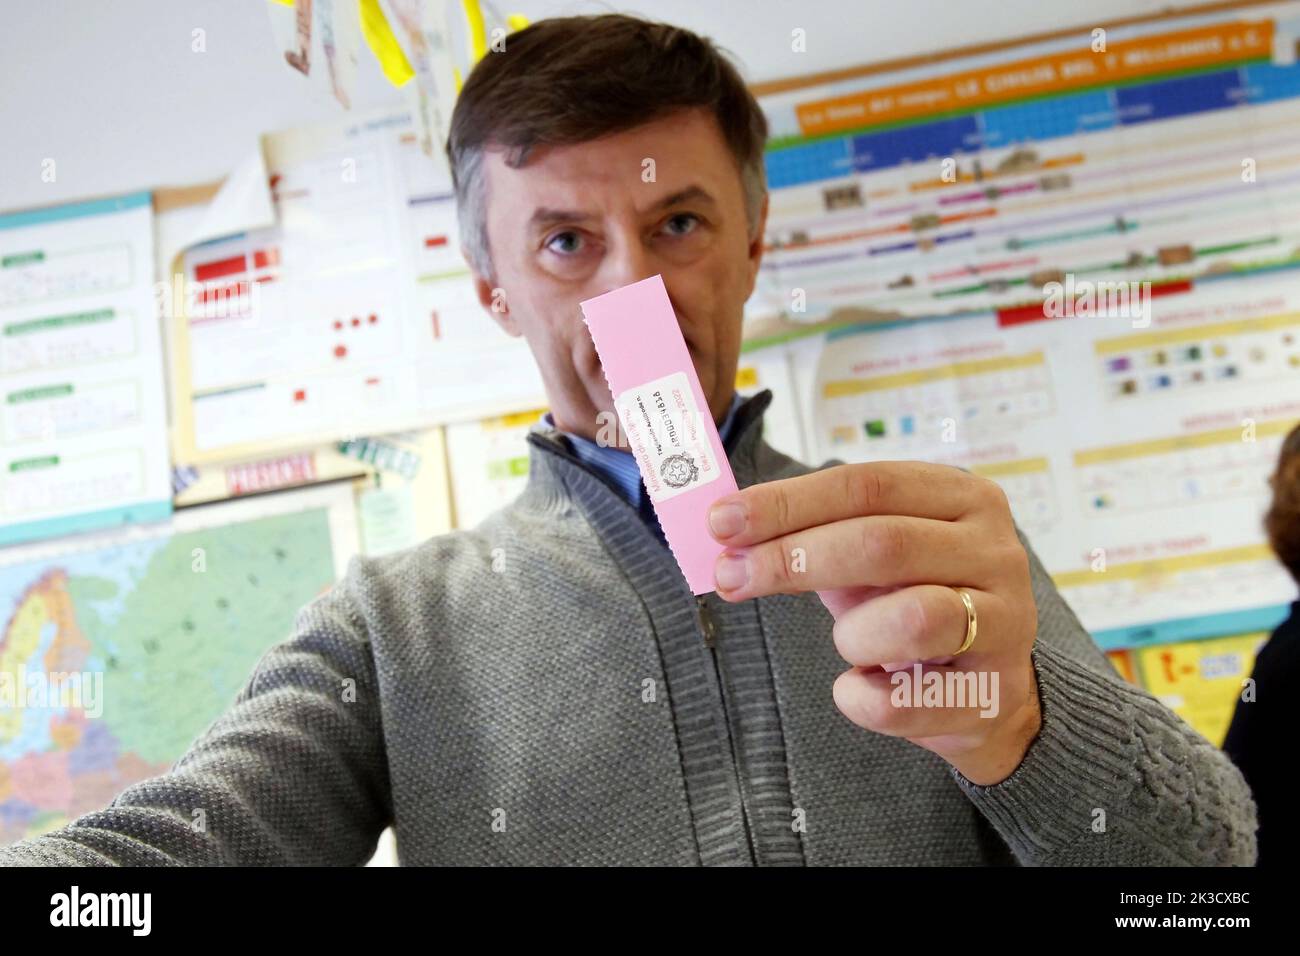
(477, 30)
(392, 60)
(379, 37)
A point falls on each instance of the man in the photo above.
(545, 689)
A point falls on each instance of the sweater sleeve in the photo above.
(293, 773)
(1113, 777)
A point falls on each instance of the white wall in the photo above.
(111, 90)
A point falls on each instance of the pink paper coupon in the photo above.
(662, 411)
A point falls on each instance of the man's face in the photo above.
(578, 221)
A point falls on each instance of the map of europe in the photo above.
(163, 631)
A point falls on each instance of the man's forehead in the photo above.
(666, 156)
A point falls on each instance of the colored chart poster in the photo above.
(1136, 461)
(1164, 153)
(770, 368)
(1201, 681)
(118, 650)
(83, 414)
(1078, 262)
(354, 315)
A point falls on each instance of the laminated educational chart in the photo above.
(1088, 247)
(118, 648)
(1166, 152)
(83, 414)
(771, 369)
(353, 315)
(1201, 681)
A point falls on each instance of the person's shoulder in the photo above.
(441, 564)
(440, 557)
(1280, 654)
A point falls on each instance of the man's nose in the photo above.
(628, 261)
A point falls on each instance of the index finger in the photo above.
(917, 488)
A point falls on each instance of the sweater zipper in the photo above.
(706, 621)
(707, 626)
(709, 631)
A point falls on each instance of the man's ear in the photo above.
(756, 245)
(493, 299)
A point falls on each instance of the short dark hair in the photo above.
(1282, 520)
(568, 80)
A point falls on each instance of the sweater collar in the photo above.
(618, 465)
(552, 464)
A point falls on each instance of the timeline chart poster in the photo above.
(918, 219)
(1170, 156)
(83, 416)
(1135, 459)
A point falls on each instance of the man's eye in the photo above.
(565, 243)
(682, 224)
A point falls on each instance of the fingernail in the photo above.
(732, 572)
(727, 520)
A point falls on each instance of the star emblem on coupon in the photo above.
(679, 470)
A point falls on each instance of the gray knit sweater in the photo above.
(539, 690)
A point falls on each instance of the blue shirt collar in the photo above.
(617, 465)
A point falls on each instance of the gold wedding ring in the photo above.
(970, 621)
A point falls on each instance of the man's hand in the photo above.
(884, 544)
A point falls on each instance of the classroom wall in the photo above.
(114, 93)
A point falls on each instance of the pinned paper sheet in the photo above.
(664, 414)
(243, 203)
(422, 30)
(340, 33)
(388, 519)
